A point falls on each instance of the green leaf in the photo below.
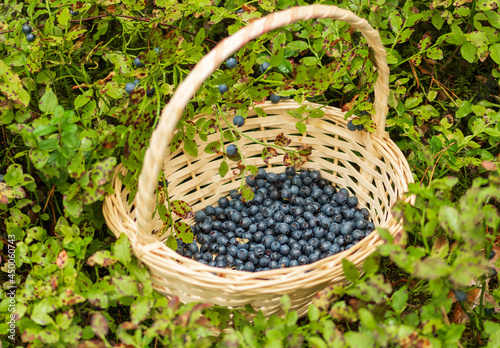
(122, 249)
(395, 21)
(182, 209)
(464, 109)
(200, 37)
(298, 45)
(400, 299)
(371, 264)
(190, 147)
(301, 127)
(435, 53)
(350, 271)
(48, 102)
(183, 231)
(139, 310)
(246, 193)
(223, 169)
(285, 66)
(171, 242)
(267, 5)
(313, 313)
(495, 52)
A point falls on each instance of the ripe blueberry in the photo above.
(129, 87)
(138, 63)
(223, 89)
(264, 66)
(275, 98)
(238, 121)
(231, 63)
(232, 150)
(26, 29)
(30, 37)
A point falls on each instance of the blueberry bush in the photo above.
(82, 86)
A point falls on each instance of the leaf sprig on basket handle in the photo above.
(178, 229)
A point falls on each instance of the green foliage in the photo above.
(67, 121)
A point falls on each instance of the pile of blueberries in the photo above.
(293, 219)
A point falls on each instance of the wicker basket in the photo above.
(370, 165)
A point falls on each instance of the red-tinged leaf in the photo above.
(183, 231)
(210, 126)
(234, 158)
(182, 209)
(425, 43)
(268, 153)
(281, 140)
(176, 141)
(61, 259)
(246, 193)
(291, 159)
(213, 147)
(99, 324)
(305, 150)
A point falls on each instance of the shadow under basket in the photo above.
(370, 167)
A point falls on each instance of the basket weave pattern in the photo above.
(369, 164)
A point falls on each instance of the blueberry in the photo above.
(328, 190)
(284, 262)
(223, 89)
(352, 201)
(231, 63)
(358, 235)
(264, 260)
(223, 202)
(264, 66)
(1, 177)
(340, 197)
(271, 177)
(492, 273)
(295, 252)
(242, 254)
(488, 311)
(275, 246)
(150, 92)
(492, 253)
(30, 37)
(460, 295)
(26, 29)
(232, 150)
(158, 50)
(238, 121)
(138, 63)
(314, 258)
(129, 87)
(199, 216)
(351, 126)
(249, 266)
(74, 13)
(303, 260)
(275, 98)
(294, 263)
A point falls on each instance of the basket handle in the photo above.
(172, 112)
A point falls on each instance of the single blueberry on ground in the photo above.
(26, 29)
(129, 87)
(231, 63)
(138, 63)
(30, 37)
(460, 295)
(223, 89)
